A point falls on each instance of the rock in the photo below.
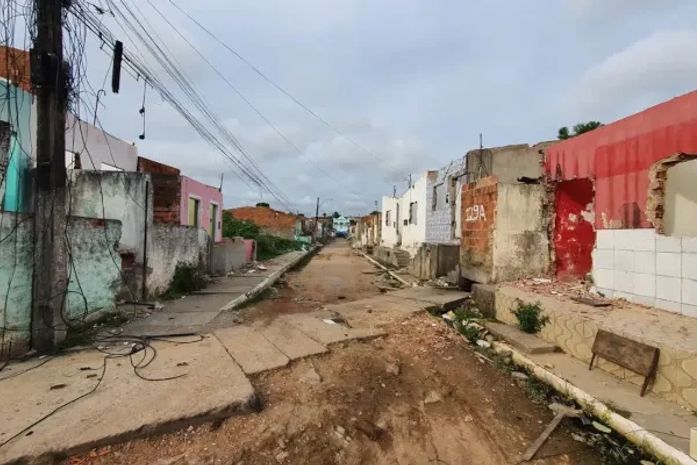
(340, 431)
(310, 376)
(281, 443)
(469, 419)
(549, 366)
(483, 344)
(519, 375)
(190, 428)
(600, 427)
(432, 397)
(392, 369)
(281, 456)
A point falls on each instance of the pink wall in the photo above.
(206, 195)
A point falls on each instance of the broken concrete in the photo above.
(291, 341)
(121, 406)
(251, 349)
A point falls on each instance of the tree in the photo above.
(336, 215)
(579, 129)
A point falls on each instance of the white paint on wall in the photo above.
(681, 200)
(97, 147)
(648, 268)
(389, 236)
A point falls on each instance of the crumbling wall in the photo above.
(479, 204)
(94, 277)
(521, 244)
(172, 244)
(434, 261)
(574, 228)
(227, 255)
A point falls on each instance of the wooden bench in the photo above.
(635, 356)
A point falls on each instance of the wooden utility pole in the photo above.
(50, 222)
(316, 219)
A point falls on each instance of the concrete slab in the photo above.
(160, 323)
(326, 333)
(665, 419)
(377, 311)
(123, 406)
(445, 299)
(528, 343)
(251, 350)
(291, 341)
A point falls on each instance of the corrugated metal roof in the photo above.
(618, 156)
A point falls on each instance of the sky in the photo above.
(411, 83)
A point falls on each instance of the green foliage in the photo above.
(239, 228)
(336, 215)
(578, 129)
(463, 318)
(268, 246)
(530, 318)
(187, 278)
(263, 204)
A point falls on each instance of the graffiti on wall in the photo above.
(475, 213)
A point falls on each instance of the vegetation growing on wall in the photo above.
(187, 278)
(578, 129)
(530, 318)
(268, 246)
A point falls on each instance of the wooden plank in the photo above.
(535, 446)
(629, 354)
(633, 355)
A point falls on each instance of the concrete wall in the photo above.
(270, 221)
(441, 202)
(115, 195)
(208, 196)
(172, 244)
(680, 201)
(521, 245)
(94, 275)
(504, 231)
(227, 255)
(506, 163)
(413, 230)
(643, 266)
(389, 237)
(436, 260)
(97, 149)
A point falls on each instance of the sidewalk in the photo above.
(84, 400)
(192, 313)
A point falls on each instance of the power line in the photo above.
(274, 83)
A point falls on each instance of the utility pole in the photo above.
(316, 219)
(50, 222)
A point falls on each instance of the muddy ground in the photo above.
(417, 396)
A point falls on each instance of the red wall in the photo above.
(618, 156)
(574, 236)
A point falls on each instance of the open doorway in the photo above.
(574, 231)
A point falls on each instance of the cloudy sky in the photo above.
(411, 82)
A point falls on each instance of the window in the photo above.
(194, 211)
(387, 217)
(412, 212)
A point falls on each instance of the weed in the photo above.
(83, 334)
(268, 246)
(187, 278)
(470, 332)
(530, 318)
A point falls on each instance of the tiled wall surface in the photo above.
(648, 268)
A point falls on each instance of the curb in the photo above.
(627, 428)
(267, 282)
(382, 267)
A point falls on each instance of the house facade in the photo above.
(341, 226)
(626, 203)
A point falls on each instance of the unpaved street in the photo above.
(417, 396)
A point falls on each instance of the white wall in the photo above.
(681, 200)
(389, 231)
(648, 268)
(413, 235)
(97, 147)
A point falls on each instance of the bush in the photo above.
(268, 246)
(187, 278)
(530, 318)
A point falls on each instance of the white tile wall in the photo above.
(668, 264)
(648, 268)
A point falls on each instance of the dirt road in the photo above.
(417, 396)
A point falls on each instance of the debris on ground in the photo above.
(432, 397)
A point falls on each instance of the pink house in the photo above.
(202, 206)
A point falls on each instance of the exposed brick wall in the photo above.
(166, 203)
(146, 165)
(478, 223)
(15, 66)
(270, 221)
